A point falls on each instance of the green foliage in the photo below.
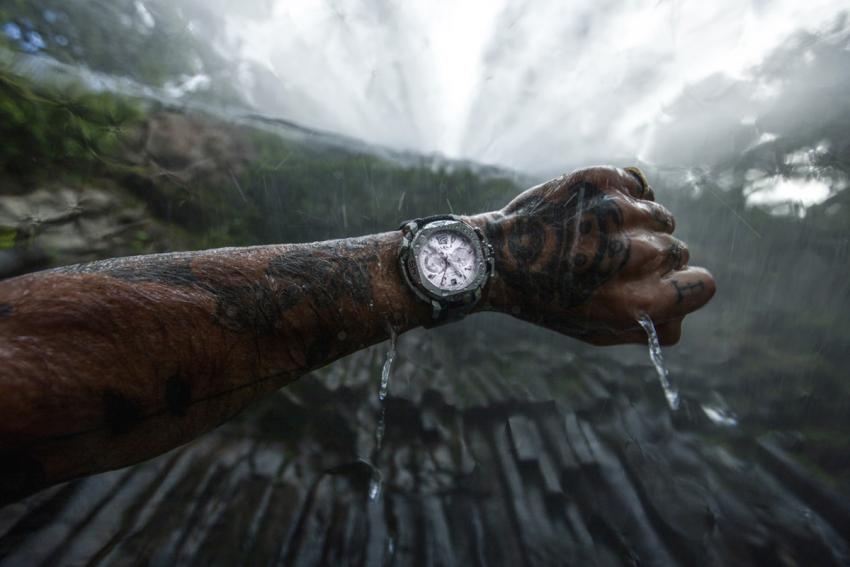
(67, 132)
(7, 238)
(309, 194)
(150, 41)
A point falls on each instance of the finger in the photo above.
(676, 256)
(629, 181)
(638, 186)
(654, 216)
(668, 334)
(650, 215)
(682, 292)
(651, 252)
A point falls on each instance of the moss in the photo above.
(7, 237)
(71, 133)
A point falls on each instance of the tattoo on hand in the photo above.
(172, 269)
(683, 290)
(675, 257)
(577, 233)
(663, 218)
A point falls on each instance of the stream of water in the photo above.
(383, 390)
(671, 392)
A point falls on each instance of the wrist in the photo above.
(495, 296)
(394, 300)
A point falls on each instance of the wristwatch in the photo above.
(447, 263)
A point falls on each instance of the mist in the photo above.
(535, 86)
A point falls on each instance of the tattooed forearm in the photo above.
(664, 220)
(148, 352)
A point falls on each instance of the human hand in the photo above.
(588, 253)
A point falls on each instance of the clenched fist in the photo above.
(589, 252)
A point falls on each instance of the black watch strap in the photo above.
(443, 311)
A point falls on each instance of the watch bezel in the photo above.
(432, 291)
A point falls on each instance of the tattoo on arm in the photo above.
(318, 277)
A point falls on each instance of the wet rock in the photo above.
(68, 225)
(194, 149)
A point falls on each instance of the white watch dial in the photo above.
(447, 260)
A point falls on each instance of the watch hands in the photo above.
(447, 263)
(455, 268)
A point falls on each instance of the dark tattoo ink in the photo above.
(319, 277)
(171, 269)
(664, 219)
(686, 289)
(5, 310)
(322, 277)
(120, 413)
(675, 256)
(543, 241)
(178, 395)
(327, 275)
(256, 307)
(530, 240)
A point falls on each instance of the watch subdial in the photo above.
(433, 262)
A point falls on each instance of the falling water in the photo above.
(383, 390)
(670, 389)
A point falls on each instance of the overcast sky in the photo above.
(525, 84)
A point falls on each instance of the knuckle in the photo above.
(686, 254)
(662, 217)
(679, 253)
(603, 176)
(639, 184)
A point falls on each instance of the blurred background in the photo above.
(143, 126)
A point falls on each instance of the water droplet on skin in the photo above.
(671, 392)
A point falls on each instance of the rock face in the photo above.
(74, 224)
(167, 162)
(193, 150)
(475, 471)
